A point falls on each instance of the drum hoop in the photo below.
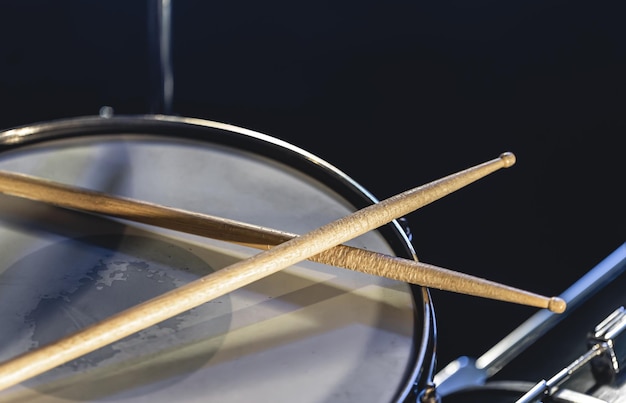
(419, 375)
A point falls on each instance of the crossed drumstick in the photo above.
(280, 250)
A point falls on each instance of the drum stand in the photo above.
(160, 36)
(606, 344)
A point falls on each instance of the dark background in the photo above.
(395, 93)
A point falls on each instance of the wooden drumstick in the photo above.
(222, 282)
(264, 238)
(71, 197)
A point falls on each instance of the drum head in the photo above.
(309, 333)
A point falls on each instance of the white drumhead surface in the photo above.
(310, 333)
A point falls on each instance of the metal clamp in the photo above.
(606, 355)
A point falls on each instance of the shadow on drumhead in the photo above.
(72, 284)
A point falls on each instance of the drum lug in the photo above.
(429, 395)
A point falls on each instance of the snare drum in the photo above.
(309, 333)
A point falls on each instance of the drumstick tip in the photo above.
(508, 158)
(557, 305)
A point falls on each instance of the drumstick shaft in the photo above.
(228, 279)
(264, 238)
(72, 197)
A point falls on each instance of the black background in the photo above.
(395, 93)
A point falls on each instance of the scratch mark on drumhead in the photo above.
(115, 271)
